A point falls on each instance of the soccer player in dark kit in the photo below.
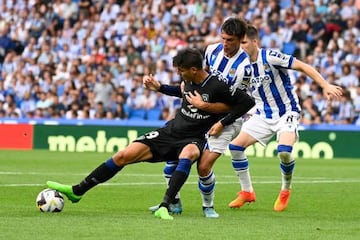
(182, 138)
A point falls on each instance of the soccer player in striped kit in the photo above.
(277, 109)
(228, 61)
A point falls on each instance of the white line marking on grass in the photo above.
(297, 180)
(193, 183)
(142, 175)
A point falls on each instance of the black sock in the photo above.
(101, 174)
(176, 182)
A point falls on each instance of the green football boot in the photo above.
(163, 213)
(64, 189)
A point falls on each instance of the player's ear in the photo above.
(193, 69)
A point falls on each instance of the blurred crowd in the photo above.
(85, 59)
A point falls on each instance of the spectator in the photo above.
(44, 102)
(12, 111)
(68, 10)
(133, 100)
(317, 31)
(162, 72)
(348, 79)
(147, 100)
(100, 111)
(57, 106)
(66, 47)
(334, 22)
(346, 110)
(310, 113)
(103, 89)
(28, 104)
(357, 106)
(37, 25)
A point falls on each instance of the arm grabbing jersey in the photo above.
(190, 120)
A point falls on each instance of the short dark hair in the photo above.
(188, 58)
(234, 26)
(252, 32)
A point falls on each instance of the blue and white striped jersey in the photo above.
(270, 84)
(235, 71)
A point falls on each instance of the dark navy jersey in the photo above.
(191, 121)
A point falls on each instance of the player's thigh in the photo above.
(255, 129)
(287, 138)
(134, 152)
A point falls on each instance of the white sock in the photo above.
(245, 180)
(207, 189)
(240, 164)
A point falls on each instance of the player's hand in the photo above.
(195, 99)
(151, 83)
(216, 129)
(333, 92)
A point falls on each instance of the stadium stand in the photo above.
(59, 59)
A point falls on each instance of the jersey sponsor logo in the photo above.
(193, 113)
(259, 80)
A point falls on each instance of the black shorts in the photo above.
(166, 146)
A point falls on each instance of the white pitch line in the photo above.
(142, 175)
(194, 183)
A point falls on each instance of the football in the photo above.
(49, 200)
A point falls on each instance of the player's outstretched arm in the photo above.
(330, 91)
(151, 83)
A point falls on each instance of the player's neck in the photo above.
(231, 54)
(200, 77)
(254, 55)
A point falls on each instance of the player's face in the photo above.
(231, 44)
(249, 45)
(186, 74)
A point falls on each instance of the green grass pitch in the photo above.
(325, 201)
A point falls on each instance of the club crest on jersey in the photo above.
(266, 67)
(232, 72)
(205, 97)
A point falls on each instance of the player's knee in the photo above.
(192, 154)
(237, 152)
(120, 159)
(203, 169)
